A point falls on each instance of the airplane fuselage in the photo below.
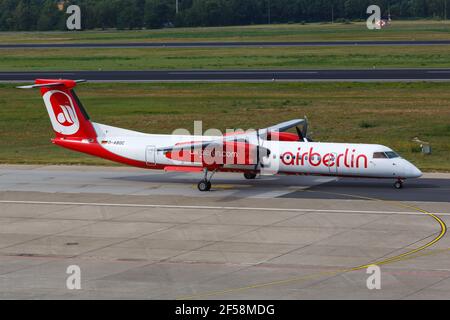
(286, 157)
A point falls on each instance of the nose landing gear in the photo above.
(398, 184)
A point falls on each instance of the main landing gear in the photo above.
(398, 184)
(250, 176)
(205, 184)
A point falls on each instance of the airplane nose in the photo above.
(414, 172)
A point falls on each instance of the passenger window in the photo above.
(379, 155)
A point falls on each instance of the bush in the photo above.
(366, 124)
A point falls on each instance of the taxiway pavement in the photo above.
(145, 234)
(363, 75)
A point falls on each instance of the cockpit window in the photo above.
(385, 155)
(379, 155)
(392, 155)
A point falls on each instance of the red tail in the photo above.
(67, 115)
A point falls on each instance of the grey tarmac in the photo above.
(151, 235)
(242, 75)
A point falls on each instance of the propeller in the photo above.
(305, 128)
(261, 152)
(258, 154)
(303, 132)
(299, 133)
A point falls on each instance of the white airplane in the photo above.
(266, 151)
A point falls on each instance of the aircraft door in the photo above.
(150, 155)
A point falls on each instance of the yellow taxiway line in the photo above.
(404, 256)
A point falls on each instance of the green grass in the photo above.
(387, 113)
(399, 30)
(224, 58)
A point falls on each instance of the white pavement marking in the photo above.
(271, 194)
(135, 205)
(242, 72)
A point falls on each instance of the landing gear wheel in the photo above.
(398, 184)
(204, 186)
(250, 176)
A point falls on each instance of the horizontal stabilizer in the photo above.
(52, 83)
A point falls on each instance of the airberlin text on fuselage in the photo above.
(347, 159)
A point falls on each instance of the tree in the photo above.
(7, 8)
(132, 14)
(24, 16)
(157, 13)
(128, 15)
(105, 12)
(49, 16)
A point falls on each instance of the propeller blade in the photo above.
(305, 128)
(299, 133)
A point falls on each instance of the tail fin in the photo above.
(67, 115)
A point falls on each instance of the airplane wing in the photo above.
(200, 145)
(240, 137)
(284, 126)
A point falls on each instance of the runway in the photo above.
(150, 235)
(224, 44)
(236, 75)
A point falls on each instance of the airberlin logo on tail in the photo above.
(62, 112)
(66, 116)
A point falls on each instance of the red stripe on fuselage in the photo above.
(95, 149)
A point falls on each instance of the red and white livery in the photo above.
(266, 151)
